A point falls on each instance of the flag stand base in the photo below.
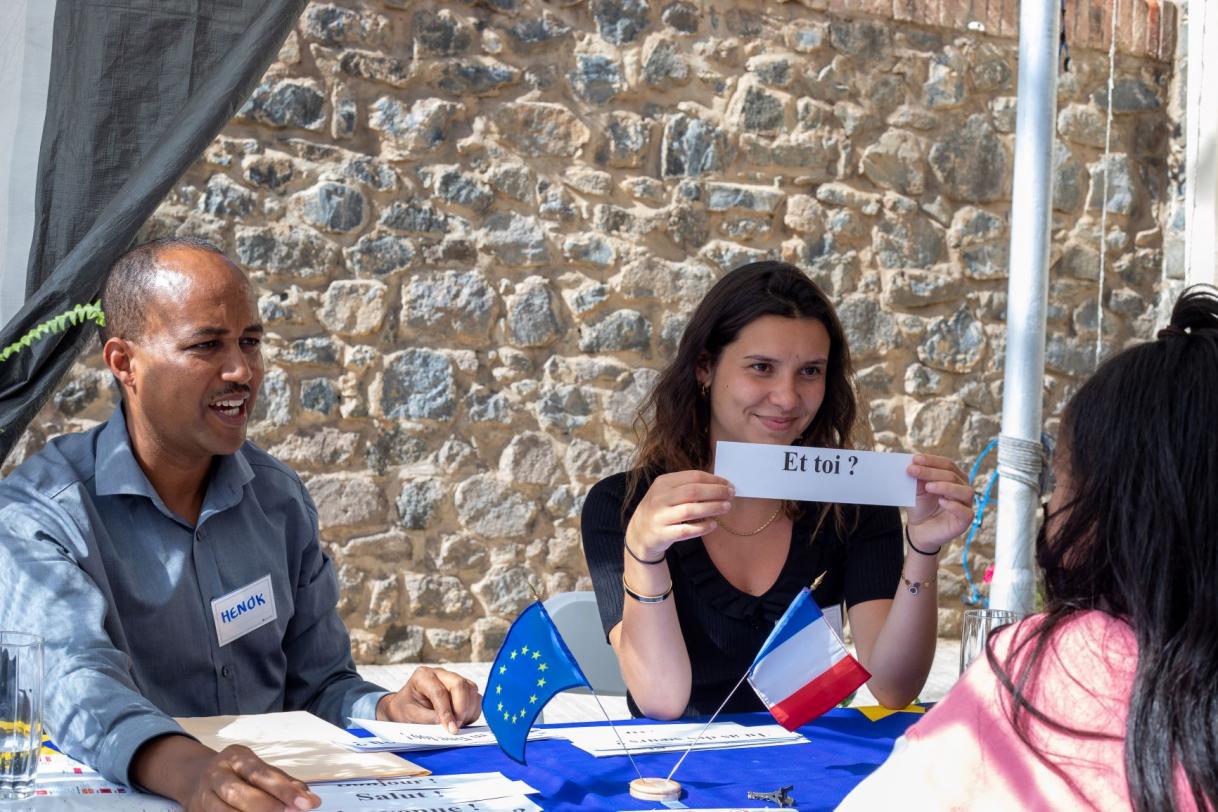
(655, 789)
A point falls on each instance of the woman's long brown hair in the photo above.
(674, 420)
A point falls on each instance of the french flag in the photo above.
(803, 669)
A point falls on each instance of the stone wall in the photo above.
(478, 227)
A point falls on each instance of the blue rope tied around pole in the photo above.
(974, 596)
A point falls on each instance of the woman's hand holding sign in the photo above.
(677, 506)
(944, 508)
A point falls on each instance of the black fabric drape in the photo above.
(138, 89)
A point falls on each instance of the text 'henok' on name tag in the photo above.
(841, 475)
(243, 610)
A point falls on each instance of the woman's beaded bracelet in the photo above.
(635, 556)
(909, 541)
(663, 596)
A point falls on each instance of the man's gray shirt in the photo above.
(121, 589)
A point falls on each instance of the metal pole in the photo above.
(1023, 375)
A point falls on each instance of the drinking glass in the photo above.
(20, 713)
(978, 623)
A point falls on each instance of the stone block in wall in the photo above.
(739, 197)
(911, 287)
(452, 304)
(414, 131)
(486, 638)
(330, 206)
(692, 146)
(621, 330)
(439, 34)
(224, 197)
(326, 447)
(538, 34)
(620, 21)
(1069, 179)
(491, 509)
(333, 25)
(539, 129)
(402, 644)
(437, 596)
(273, 405)
(459, 553)
(417, 217)
(1124, 188)
(1129, 95)
(471, 76)
(529, 314)
(354, 307)
(319, 396)
(84, 389)
(348, 500)
(515, 239)
(625, 140)
(271, 170)
(935, 427)
(448, 645)
(680, 283)
(418, 502)
(589, 463)
(907, 242)
(287, 103)
(895, 161)
(1083, 124)
(417, 383)
(562, 407)
(530, 459)
(729, 255)
(664, 66)
(380, 254)
(955, 343)
(971, 162)
(756, 109)
(596, 78)
(870, 331)
(375, 67)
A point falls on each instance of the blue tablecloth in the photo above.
(845, 747)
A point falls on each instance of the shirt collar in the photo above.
(118, 472)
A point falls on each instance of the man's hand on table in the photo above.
(433, 696)
(202, 780)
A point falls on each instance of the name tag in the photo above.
(243, 610)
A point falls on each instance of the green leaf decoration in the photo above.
(57, 324)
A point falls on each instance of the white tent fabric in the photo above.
(25, 66)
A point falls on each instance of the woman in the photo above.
(762, 360)
(1109, 699)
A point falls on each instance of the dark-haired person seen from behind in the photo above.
(173, 568)
(762, 360)
(1109, 698)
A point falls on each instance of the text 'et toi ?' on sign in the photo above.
(800, 473)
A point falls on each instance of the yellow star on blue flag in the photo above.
(532, 665)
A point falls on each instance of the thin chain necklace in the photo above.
(764, 525)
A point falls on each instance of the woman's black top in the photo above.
(723, 627)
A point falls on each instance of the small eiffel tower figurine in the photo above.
(778, 796)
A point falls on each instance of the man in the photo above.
(173, 568)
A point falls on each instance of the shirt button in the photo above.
(226, 671)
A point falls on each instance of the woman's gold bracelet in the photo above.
(663, 596)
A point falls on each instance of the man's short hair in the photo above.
(129, 284)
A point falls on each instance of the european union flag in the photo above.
(532, 665)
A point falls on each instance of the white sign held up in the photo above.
(841, 475)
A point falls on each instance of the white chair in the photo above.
(579, 623)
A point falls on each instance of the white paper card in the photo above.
(404, 736)
(807, 474)
(243, 610)
(478, 791)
